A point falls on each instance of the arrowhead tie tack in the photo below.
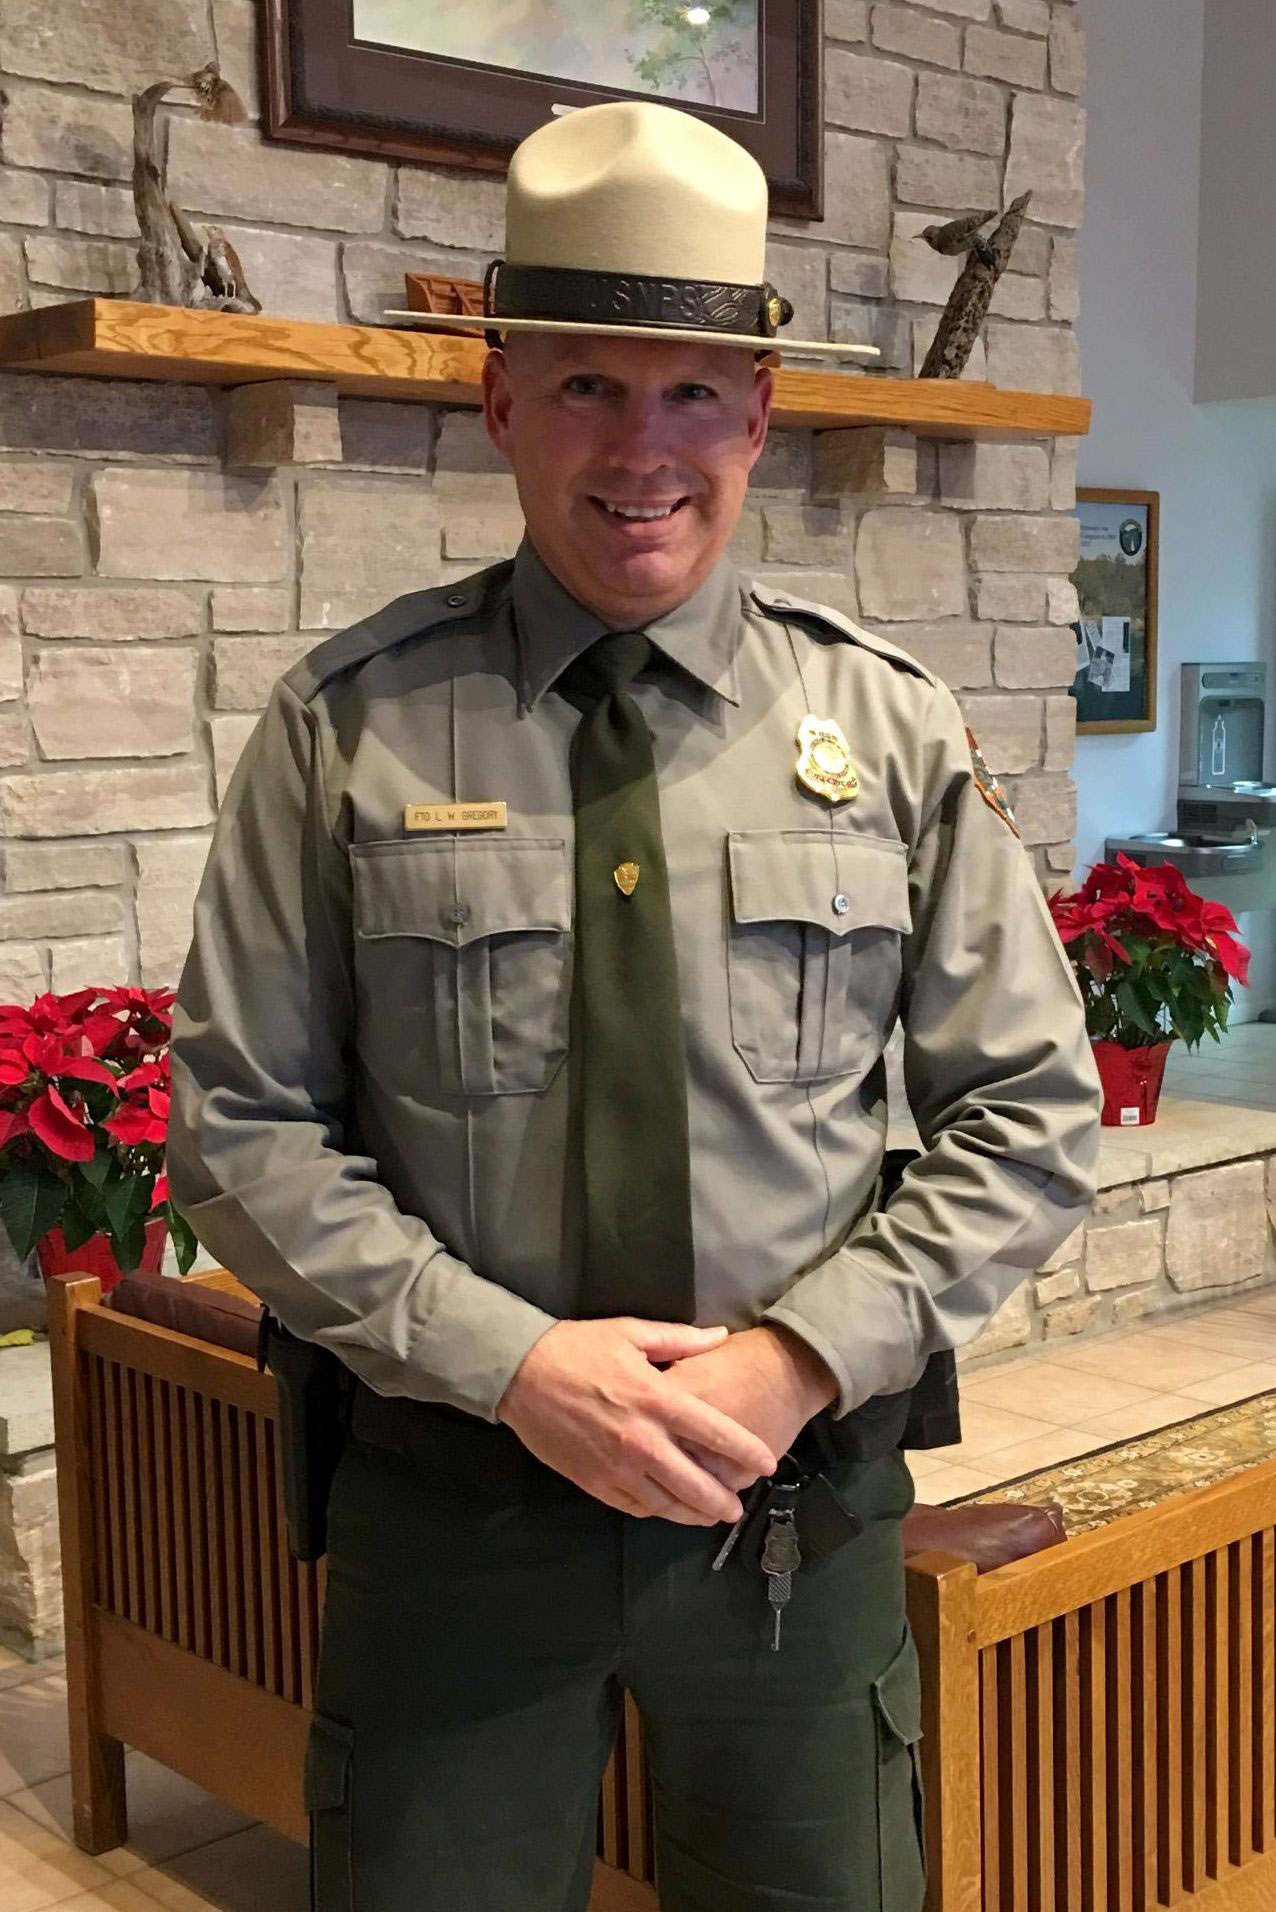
(626, 875)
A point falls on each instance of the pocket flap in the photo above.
(456, 892)
(898, 1693)
(326, 1775)
(837, 881)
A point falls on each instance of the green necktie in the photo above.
(627, 1016)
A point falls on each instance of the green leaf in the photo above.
(124, 1200)
(185, 1245)
(77, 1227)
(129, 1245)
(32, 1200)
(1131, 1005)
(96, 1171)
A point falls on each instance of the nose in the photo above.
(642, 439)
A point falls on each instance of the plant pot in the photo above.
(1131, 1081)
(97, 1257)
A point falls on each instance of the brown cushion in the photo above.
(991, 1534)
(189, 1307)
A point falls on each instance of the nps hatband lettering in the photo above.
(632, 298)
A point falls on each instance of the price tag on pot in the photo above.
(1131, 1118)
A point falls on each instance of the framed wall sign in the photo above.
(1116, 576)
(464, 83)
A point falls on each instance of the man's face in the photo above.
(599, 429)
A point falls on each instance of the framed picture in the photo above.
(1115, 683)
(463, 81)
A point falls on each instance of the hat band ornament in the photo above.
(631, 298)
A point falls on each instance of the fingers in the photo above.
(677, 1479)
(669, 1340)
(688, 1418)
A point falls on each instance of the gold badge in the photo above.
(775, 308)
(626, 875)
(454, 816)
(824, 760)
(987, 785)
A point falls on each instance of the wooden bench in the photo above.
(1100, 1718)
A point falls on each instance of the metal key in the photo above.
(781, 1558)
(750, 1505)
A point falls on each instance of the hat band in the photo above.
(632, 298)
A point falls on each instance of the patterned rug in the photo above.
(1129, 1475)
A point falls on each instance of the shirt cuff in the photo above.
(885, 1357)
(473, 1345)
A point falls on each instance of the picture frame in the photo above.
(376, 76)
(1116, 579)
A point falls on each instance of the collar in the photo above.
(553, 628)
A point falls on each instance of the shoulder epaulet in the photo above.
(418, 614)
(782, 605)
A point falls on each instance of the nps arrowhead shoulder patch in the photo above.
(987, 785)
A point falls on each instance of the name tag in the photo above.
(454, 816)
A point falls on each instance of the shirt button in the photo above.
(456, 598)
(841, 903)
(458, 913)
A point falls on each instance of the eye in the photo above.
(583, 385)
(693, 389)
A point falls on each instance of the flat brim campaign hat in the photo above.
(639, 221)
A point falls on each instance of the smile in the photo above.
(640, 514)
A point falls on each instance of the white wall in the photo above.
(1236, 328)
(1213, 464)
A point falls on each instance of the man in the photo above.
(529, 1058)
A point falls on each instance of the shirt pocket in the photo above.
(813, 949)
(463, 955)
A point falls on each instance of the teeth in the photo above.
(637, 511)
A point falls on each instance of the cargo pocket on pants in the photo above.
(326, 1795)
(897, 1703)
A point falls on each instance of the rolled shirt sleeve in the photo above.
(1003, 1087)
(261, 1156)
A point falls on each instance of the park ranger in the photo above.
(528, 1058)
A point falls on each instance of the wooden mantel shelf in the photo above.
(115, 338)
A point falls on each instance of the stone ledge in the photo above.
(26, 1399)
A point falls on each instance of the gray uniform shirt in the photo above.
(371, 1065)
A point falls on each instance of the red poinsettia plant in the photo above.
(1152, 958)
(84, 1091)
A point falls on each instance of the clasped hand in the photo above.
(679, 1441)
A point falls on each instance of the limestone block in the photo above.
(1032, 251)
(1005, 56)
(15, 741)
(1154, 1195)
(924, 331)
(62, 866)
(846, 19)
(452, 209)
(967, 9)
(802, 274)
(467, 464)
(863, 322)
(168, 874)
(1033, 358)
(23, 974)
(236, 24)
(110, 45)
(1008, 731)
(191, 524)
(122, 420)
(866, 93)
(1045, 808)
(930, 176)
(59, 803)
(1123, 1254)
(82, 265)
(245, 668)
(1059, 856)
(901, 30)
(919, 275)
(1061, 1287)
(784, 467)
(372, 273)
(745, 548)
(1040, 657)
(1134, 1305)
(67, 132)
(967, 114)
(115, 612)
(1062, 603)
(34, 547)
(230, 734)
(1061, 737)
(1063, 475)
(1065, 280)
(959, 654)
(1011, 597)
(857, 192)
(380, 434)
(24, 199)
(481, 537)
(10, 646)
(41, 485)
(806, 534)
(1216, 1233)
(863, 275)
(230, 171)
(88, 962)
(911, 564)
(293, 274)
(112, 701)
(1014, 542)
(989, 477)
(59, 913)
(1072, 1317)
(1025, 16)
(30, 1556)
(834, 588)
(251, 607)
(282, 422)
(1017, 296)
(13, 286)
(871, 462)
(1067, 52)
(1047, 146)
(1010, 1327)
(364, 540)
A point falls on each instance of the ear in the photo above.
(760, 411)
(498, 403)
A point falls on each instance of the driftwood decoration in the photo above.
(986, 259)
(179, 263)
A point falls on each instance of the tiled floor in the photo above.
(187, 1851)
(1240, 1068)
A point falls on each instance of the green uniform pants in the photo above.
(482, 1619)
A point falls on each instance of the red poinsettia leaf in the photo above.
(161, 1191)
(85, 1069)
(12, 1122)
(59, 1127)
(130, 1124)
